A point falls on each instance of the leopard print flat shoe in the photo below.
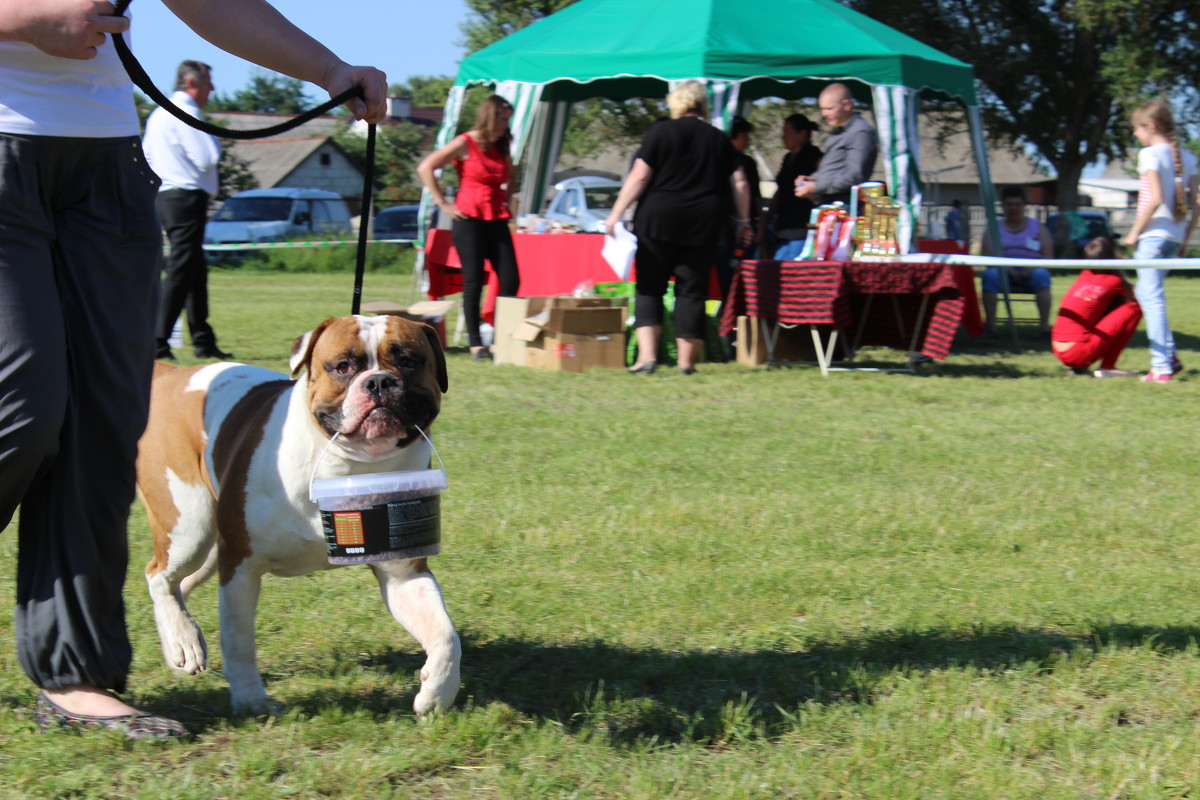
(135, 726)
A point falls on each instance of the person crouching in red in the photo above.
(1097, 317)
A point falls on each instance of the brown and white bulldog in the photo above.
(224, 469)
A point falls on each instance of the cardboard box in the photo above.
(561, 332)
(576, 352)
(792, 345)
(431, 312)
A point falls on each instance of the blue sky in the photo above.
(401, 37)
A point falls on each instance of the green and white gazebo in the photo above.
(742, 51)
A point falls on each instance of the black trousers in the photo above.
(79, 255)
(183, 213)
(691, 265)
(479, 240)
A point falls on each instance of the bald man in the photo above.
(850, 150)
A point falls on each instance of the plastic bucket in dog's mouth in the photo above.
(381, 516)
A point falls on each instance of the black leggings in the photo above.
(479, 240)
(692, 267)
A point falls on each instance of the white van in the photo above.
(268, 215)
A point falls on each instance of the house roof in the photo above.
(948, 158)
(249, 120)
(272, 160)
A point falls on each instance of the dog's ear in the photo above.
(302, 347)
(435, 343)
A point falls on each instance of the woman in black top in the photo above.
(682, 175)
(789, 214)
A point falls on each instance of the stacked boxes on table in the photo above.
(563, 332)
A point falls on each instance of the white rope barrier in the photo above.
(1049, 263)
(337, 243)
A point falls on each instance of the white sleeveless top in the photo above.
(44, 95)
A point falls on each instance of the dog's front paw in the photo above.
(438, 689)
(183, 644)
(263, 706)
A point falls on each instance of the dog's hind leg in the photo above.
(413, 596)
(181, 552)
(201, 575)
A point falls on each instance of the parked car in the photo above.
(584, 201)
(268, 215)
(1085, 225)
(397, 222)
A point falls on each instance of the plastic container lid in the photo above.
(432, 480)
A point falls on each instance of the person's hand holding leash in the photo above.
(372, 107)
(63, 28)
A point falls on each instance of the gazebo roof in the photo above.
(785, 48)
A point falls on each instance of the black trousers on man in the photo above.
(183, 213)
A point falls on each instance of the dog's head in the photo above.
(373, 380)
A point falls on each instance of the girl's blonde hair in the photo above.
(1158, 114)
(493, 130)
(687, 97)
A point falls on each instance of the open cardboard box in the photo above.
(561, 332)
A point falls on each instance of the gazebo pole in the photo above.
(988, 192)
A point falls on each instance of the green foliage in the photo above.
(492, 20)
(267, 93)
(425, 90)
(599, 123)
(1060, 76)
(1151, 49)
(397, 147)
(234, 172)
(144, 107)
(381, 259)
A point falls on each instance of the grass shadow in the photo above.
(669, 696)
(697, 695)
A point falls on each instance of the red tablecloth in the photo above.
(972, 320)
(550, 264)
(836, 293)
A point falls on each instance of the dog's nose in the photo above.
(380, 383)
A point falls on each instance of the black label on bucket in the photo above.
(383, 531)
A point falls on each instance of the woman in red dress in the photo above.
(480, 210)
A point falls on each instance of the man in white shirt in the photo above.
(186, 161)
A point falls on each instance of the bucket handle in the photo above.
(313, 476)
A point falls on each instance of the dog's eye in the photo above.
(343, 367)
(407, 362)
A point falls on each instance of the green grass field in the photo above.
(976, 582)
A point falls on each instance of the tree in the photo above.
(1059, 75)
(267, 93)
(492, 20)
(425, 90)
(598, 123)
(234, 172)
(396, 149)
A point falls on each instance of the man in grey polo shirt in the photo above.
(850, 150)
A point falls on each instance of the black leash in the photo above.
(143, 82)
